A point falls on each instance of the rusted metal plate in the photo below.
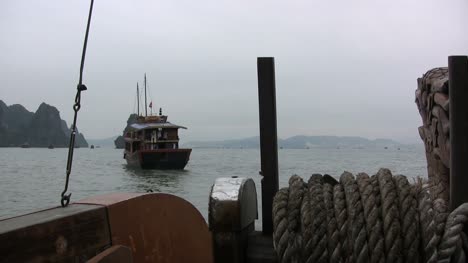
(157, 227)
(72, 234)
(114, 254)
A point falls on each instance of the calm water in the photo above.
(32, 179)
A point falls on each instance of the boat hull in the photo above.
(159, 159)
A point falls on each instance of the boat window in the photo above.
(135, 146)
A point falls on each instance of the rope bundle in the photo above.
(379, 218)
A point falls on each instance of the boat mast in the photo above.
(138, 100)
(146, 107)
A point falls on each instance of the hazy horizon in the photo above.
(342, 68)
(233, 138)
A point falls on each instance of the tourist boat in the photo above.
(153, 143)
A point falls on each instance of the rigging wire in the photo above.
(149, 95)
(135, 104)
(141, 102)
(65, 199)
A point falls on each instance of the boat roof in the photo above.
(155, 125)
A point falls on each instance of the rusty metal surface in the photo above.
(114, 254)
(157, 227)
(42, 217)
(71, 234)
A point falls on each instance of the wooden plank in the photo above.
(75, 233)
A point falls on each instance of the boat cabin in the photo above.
(152, 133)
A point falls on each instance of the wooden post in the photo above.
(268, 138)
(458, 90)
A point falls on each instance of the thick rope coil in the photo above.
(441, 214)
(373, 222)
(427, 223)
(451, 239)
(358, 240)
(333, 233)
(280, 222)
(286, 210)
(341, 216)
(296, 192)
(316, 244)
(390, 215)
(408, 218)
(382, 218)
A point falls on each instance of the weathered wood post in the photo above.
(458, 90)
(268, 138)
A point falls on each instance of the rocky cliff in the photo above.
(39, 129)
(120, 141)
(80, 140)
(14, 124)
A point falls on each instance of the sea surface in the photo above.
(33, 179)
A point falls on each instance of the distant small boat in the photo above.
(385, 147)
(398, 148)
(97, 146)
(51, 146)
(25, 145)
(92, 146)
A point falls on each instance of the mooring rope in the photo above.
(379, 218)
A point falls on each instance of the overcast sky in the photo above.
(342, 67)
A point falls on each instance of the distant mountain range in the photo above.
(297, 142)
(43, 128)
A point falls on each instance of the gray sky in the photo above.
(342, 67)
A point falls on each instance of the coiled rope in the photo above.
(379, 218)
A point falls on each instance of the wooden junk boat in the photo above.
(153, 143)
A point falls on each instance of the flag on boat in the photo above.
(151, 105)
